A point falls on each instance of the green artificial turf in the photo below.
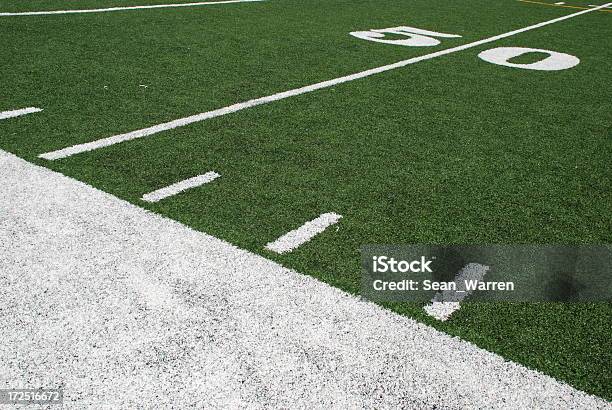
(453, 150)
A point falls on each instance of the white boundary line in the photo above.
(181, 186)
(105, 142)
(303, 234)
(17, 113)
(161, 302)
(153, 6)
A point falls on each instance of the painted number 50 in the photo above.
(416, 37)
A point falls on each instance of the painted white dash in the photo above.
(105, 10)
(174, 189)
(303, 234)
(181, 122)
(445, 303)
(17, 113)
(442, 310)
(560, 3)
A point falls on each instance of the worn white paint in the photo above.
(17, 113)
(303, 234)
(442, 310)
(109, 9)
(126, 308)
(181, 186)
(415, 37)
(551, 61)
(181, 122)
(154, 294)
(445, 303)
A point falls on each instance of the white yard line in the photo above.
(303, 234)
(116, 139)
(101, 297)
(153, 6)
(17, 113)
(181, 186)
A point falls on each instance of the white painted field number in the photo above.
(552, 61)
(416, 37)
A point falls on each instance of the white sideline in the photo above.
(105, 142)
(129, 309)
(17, 113)
(292, 240)
(181, 186)
(125, 308)
(153, 6)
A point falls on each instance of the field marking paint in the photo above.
(605, 6)
(416, 37)
(153, 6)
(156, 295)
(442, 310)
(554, 60)
(181, 186)
(17, 113)
(303, 234)
(97, 259)
(105, 142)
(445, 303)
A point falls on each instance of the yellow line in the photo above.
(562, 5)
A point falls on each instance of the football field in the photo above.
(301, 130)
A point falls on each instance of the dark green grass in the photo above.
(448, 151)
